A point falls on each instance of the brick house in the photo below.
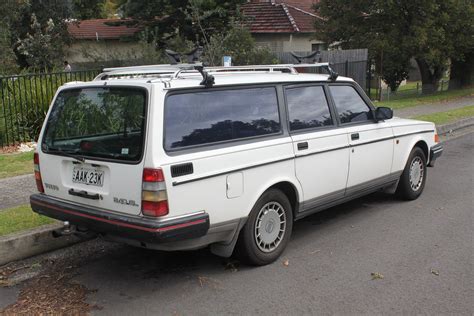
(283, 25)
(104, 38)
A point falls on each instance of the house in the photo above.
(102, 39)
(283, 25)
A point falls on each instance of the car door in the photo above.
(371, 143)
(321, 149)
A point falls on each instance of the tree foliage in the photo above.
(395, 31)
(35, 20)
(89, 9)
(193, 20)
(42, 47)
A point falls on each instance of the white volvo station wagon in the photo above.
(171, 158)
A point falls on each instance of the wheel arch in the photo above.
(423, 146)
(291, 189)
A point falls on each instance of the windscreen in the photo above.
(105, 123)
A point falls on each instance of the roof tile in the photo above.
(101, 29)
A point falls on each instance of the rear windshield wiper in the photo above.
(68, 154)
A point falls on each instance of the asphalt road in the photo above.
(423, 249)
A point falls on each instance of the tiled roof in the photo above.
(280, 16)
(101, 29)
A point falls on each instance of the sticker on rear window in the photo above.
(124, 151)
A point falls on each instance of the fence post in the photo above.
(417, 88)
(347, 67)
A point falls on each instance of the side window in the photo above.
(349, 104)
(307, 107)
(218, 115)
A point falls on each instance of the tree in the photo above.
(238, 43)
(395, 31)
(89, 9)
(462, 59)
(42, 48)
(7, 56)
(46, 13)
(169, 18)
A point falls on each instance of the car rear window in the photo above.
(212, 116)
(103, 123)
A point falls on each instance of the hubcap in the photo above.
(270, 226)
(416, 173)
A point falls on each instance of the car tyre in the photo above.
(413, 179)
(267, 230)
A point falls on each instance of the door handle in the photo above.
(355, 136)
(303, 146)
(84, 194)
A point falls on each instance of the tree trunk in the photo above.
(462, 72)
(430, 76)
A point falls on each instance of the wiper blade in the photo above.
(68, 154)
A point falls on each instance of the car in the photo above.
(182, 157)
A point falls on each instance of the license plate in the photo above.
(88, 176)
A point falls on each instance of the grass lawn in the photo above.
(424, 99)
(16, 164)
(448, 116)
(20, 218)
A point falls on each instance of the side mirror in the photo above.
(383, 113)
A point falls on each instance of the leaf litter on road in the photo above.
(435, 272)
(376, 276)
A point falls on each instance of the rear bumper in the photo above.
(435, 152)
(137, 228)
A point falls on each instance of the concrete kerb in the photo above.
(449, 128)
(29, 243)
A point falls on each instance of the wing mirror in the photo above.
(383, 113)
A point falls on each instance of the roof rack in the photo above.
(173, 71)
(144, 71)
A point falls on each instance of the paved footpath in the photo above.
(435, 107)
(16, 191)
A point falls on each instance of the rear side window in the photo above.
(307, 108)
(212, 116)
(349, 105)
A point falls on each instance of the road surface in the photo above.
(423, 250)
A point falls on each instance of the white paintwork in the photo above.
(373, 160)
(230, 187)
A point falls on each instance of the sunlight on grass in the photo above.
(16, 164)
(20, 218)
(426, 99)
(448, 116)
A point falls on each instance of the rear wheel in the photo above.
(268, 229)
(413, 178)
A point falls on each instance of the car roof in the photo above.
(193, 80)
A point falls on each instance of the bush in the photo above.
(240, 45)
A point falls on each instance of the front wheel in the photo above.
(413, 178)
(268, 229)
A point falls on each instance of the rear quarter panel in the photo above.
(206, 189)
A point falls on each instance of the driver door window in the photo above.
(349, 104)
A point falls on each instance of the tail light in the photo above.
(436, 138)
(154, 197)
(39, 182)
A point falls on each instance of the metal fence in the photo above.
(407, 90)
(25, 99)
